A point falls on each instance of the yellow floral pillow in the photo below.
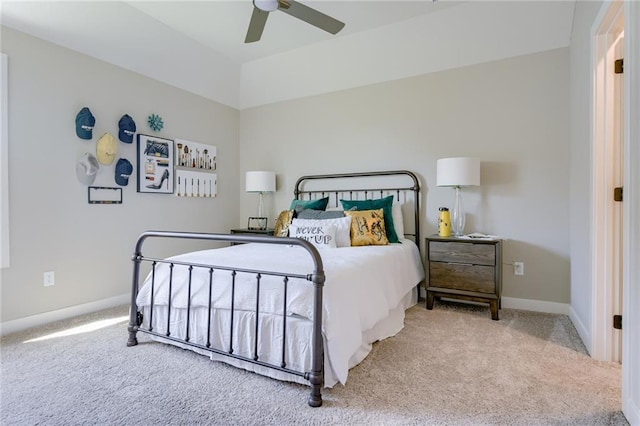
(367, 227)
(282, 223)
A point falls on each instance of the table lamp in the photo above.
(458, 172)
(260, 182)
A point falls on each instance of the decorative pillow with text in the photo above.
(322, 236)
(343, 228)
(367, 228)
(386, 204)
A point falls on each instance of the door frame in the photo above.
(631, 209)
(605, 33)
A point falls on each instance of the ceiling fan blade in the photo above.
(256, 25)
(311, 16)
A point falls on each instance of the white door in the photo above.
(631, 247)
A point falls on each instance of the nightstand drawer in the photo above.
(476, 254)
(459, 276)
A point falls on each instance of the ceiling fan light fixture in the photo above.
(266, 5)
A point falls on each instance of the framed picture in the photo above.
(155, 164)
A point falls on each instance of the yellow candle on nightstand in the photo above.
(444, 222)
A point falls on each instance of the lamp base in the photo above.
(457, 215)
(261, 206)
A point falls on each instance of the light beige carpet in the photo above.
(452, 366)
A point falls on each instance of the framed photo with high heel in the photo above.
(155, 164)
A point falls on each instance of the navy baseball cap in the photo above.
(84, 123)
(127, 129)
(123, 171)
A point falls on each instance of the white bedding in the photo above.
(363, 286)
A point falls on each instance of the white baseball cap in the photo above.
(87, 168)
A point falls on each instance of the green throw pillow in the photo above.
(386, 204)
(319, 204)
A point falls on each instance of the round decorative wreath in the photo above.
(155, 122)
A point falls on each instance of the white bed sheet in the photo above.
(363, 286)
(298, 350)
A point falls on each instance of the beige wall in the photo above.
(53, 228)
(513, 114)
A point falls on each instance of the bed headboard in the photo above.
(403, 184)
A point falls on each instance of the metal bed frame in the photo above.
(316, 277)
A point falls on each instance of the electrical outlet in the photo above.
(49, 278)
(518, 268)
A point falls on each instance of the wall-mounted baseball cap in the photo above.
(123, 171)
(86, 169)
(127, 129)
(84, 123)
(106, 149)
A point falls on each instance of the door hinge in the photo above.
(617, 194)
(617, 322)
(618, 66)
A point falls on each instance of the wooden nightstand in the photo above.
(465, 269)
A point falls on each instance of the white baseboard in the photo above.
(40, 319)
(60, 314)
(581, 328)
(535, 305)
(631, 411)
(525, 305)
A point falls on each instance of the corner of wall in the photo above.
(583, 332)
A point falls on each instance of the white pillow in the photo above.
(398, 221)
(322, 235)
(343, 228)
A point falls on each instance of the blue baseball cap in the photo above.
(84, 123)
(127, 129)
(123, 171)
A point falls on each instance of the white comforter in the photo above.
(362, 285)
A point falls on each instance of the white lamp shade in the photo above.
(260, 182)
(458, 171)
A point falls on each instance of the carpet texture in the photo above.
(448, 366)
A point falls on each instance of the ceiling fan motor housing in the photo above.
(266, 5)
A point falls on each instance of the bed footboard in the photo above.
(316, 277)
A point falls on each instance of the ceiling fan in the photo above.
(261, 9)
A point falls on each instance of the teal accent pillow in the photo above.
(386, 204)
(319, 204)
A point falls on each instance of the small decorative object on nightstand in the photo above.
(466, 269)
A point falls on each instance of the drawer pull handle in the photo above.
(459, 263)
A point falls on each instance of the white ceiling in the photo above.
(199, 45)
(215, 24)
